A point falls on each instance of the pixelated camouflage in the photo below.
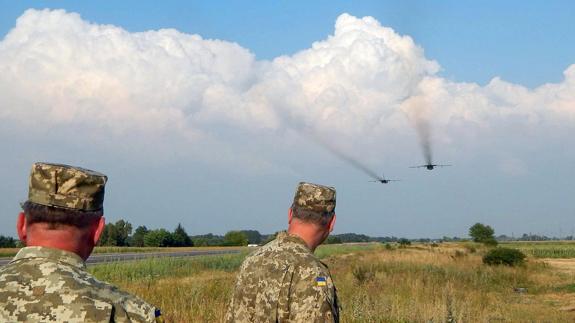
(314, 198)
(66, 186)
(279, 283)
(51, 285)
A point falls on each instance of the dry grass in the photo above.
(414, 284)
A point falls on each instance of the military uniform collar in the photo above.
(285, 237)
(59, 255)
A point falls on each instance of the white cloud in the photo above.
(57, 69)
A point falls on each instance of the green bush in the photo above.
(504, 256)
(403, 242)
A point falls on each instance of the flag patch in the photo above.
(320, 281)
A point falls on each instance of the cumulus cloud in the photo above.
(364, 80)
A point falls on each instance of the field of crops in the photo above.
(545, 249)
(11, 252)
(375, 283)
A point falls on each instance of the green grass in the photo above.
(325, 251)
(545, 249)
(168, 267)
(11, 252)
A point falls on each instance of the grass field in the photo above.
(420, 283)
(11, 252)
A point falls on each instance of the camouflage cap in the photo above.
(67, 187)
(314, 198)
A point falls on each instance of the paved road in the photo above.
(110, 257)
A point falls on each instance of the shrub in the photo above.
(403, 242)
(504, 256)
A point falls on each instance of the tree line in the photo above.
(120, 234)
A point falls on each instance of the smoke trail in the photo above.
(341, 155)
(424, 134)
(418, 113)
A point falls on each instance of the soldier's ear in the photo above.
(21, 227)
(99, 229)
(331, 223)
(290, 215)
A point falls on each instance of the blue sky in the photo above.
(507, 139)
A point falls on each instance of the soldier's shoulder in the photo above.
(281, 255)
(131, 304)
(92, 298)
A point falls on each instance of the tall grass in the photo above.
(375, 284)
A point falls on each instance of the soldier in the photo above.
(47, 281)
(283, 281)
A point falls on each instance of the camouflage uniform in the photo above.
(43, 284)
(284, 281)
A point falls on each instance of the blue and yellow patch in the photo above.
(158, 315)
(320, 281)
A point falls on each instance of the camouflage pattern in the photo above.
(51, 285)
(66, 186)
(283, 282)
(315, 198)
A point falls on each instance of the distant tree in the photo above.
(123, 231)
(269, 238)
(181, 238)
(235, 238)
(116, 234)
(207, 240)
(7, 242)
(158, 238)
(332, 240)
(200, 242)
(353, 237)
(254, 237)
(138, 236)
(483, 234)
(109, 236)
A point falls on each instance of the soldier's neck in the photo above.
(68, 240)
(311, 234)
